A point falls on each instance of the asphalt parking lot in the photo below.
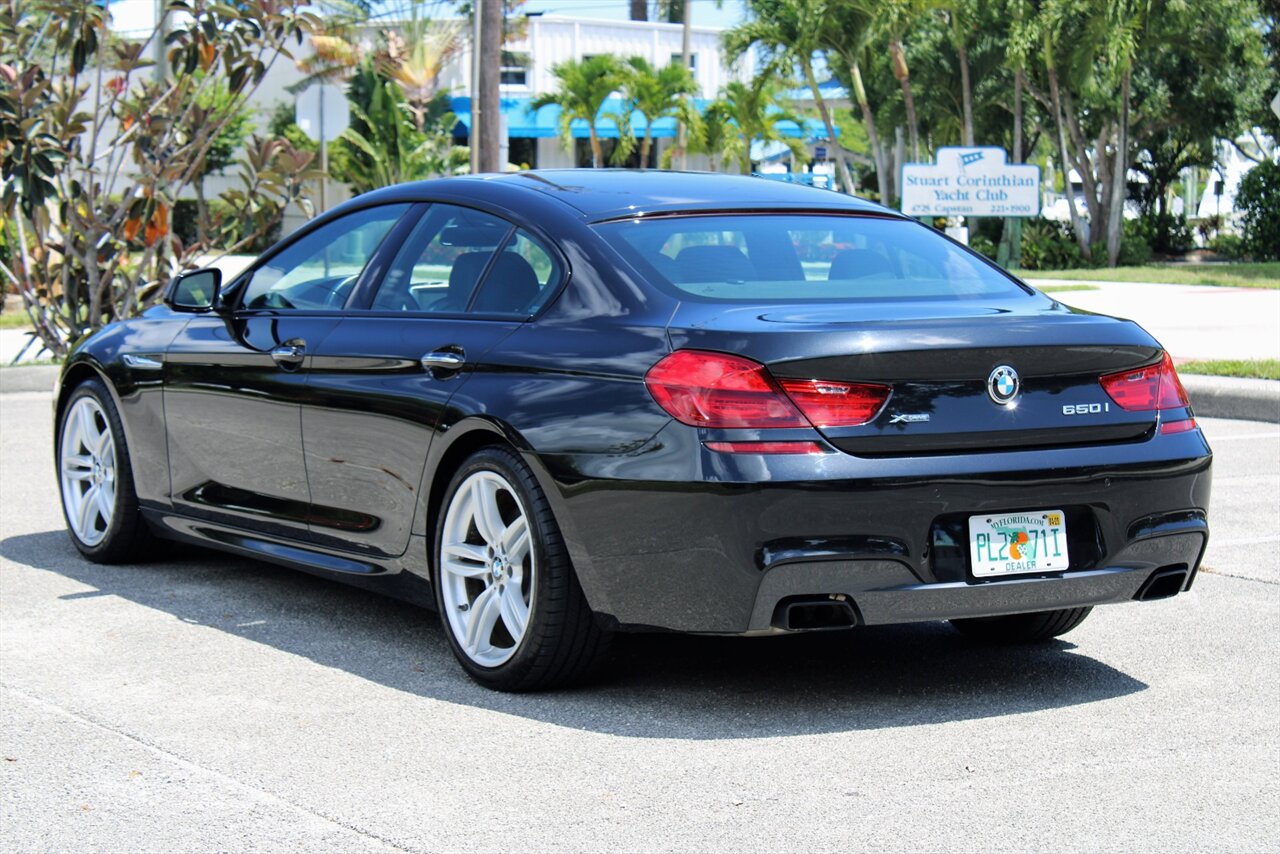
(211, 703)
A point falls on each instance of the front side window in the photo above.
(790, 257)
(318, 271)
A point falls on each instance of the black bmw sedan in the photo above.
(555, 405)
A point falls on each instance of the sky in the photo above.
(138, 14)
(705, 12)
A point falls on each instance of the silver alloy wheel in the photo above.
(87, 467)
(487, 568)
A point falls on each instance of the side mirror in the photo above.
(196, 291)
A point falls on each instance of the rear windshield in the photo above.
(790, 257)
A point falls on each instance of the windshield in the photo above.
(797, 257)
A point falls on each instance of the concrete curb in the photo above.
(1233, 397)
(1211, 397)
(29, 378)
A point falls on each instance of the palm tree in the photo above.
(788, 33)
(414, 59)
(844, 34)
(894, 18)
(584, 87)
(755, 109)
(655, 94)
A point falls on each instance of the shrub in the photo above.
(1049, 245)
(1228, 246)
(1136, 246)
(229, 228)
(983, 244)
(1258, 200)
(1164, 234)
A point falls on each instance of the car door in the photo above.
(234, 380)
(380, 383)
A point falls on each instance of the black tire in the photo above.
(127, 539)
(1035, 627)
(563, 643)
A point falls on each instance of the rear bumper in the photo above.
(715, 546)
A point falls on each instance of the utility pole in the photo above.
(490, 137)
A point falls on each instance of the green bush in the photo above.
(1049, 245)
(1258, 200)
(1136, 246)
(185, 216)
(984, 245)
(1228, 246)
(1165, 234)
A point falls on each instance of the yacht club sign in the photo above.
(970, 182)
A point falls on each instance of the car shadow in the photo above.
(656, 686)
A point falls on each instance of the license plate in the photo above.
(1017, 543)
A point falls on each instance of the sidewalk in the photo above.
(1191, 321)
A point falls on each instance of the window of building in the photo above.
(515, 69)
(678, 59)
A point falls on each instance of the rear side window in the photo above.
(786, 257)
(440, 264)
(522, 279)
(462, 260)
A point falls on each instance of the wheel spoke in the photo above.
(484, 504)
(86, 511)
(464, 560)
(88, 430)
(484, 615)
(77, 466)
(106, 499)
(515, 540)
(515, 613)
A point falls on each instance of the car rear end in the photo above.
(871, 425)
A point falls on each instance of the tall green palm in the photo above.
(656, 93)
(755, 109)
(894, 19)
(584, 87)
(844, 34)
(787, 32)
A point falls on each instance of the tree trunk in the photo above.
(202, 212)
(873, 136)
(966, 87)
(1009, 253)
(490, 69)
(903, 74)
(1115, 223)
(1076, 225)
(842, 167)
(597, 155)
(646, 144)
(686, 56)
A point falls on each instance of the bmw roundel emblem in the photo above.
(1003, 385)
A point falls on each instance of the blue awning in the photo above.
(526, 123)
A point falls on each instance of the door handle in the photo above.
(444, 360)
(289, 355)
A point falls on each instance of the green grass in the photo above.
(1053, 289)
(1261, 275)
(1263, 369)
(15, 319)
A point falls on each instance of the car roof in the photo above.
(603, 194)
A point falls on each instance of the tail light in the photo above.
(705, 389)
(1154, 387)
